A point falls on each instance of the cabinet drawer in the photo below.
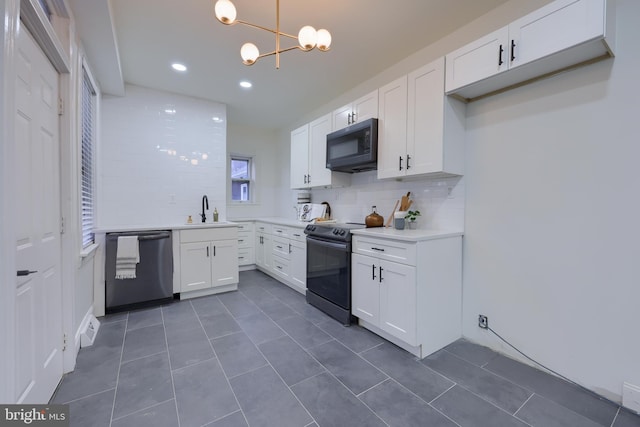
(208, 234)
(245, 239)
(245, 226)
(298, 235)
(279, 230)
(263, 227)
(392, 250)
(246, 256)
(281, 267)
(281, 247)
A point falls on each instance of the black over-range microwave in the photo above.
(354, 148)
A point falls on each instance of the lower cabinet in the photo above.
(281, 252)
(208, 261)
(246, 248)
(409, 292)
(385, 296)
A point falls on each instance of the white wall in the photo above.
(261, 145)
(552, 214)
(140, 183)
(551, 208)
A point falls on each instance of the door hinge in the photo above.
(64, 342)
(60, 106)
(61, 225)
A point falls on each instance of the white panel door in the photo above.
(319, 175)
(299, 162)
(478, 60)
(365, 288)
(426, 119)
(553, 28)
(299, 265)
(195, 266)
(398, 296)
(224, 263)
(392, 129)
(39, 334)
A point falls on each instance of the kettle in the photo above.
(374, 219)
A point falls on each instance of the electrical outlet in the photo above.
(483, 321)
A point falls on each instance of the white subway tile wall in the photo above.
(159, 154)
(439, 200)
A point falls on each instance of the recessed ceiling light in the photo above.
(178, 67)
(245, 84)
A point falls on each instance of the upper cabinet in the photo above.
(561, 35)
(420, 130)
(309, 157)
(359, 110)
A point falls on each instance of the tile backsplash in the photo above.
(439, 200)
(159, 154)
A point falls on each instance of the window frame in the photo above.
(250, 180)
(87, 185)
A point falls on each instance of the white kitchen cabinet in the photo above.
(420, 130)
(298, 259)
(409, 292)
(309, 157)
(246, 246)
(281, 253)
(263, 246)
(208, 261)
(561, 35)
(359, 110)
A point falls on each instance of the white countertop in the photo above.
(277, 221)
(406, 234)
(124, 228)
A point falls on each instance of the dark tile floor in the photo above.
(263, 357)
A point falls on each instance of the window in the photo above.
(241, 183)
(87, 158)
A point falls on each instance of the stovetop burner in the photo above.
(333, 231)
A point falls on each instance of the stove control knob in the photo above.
(335, 231)
(342, 232)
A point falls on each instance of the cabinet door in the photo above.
(341, 117)
(555, 27)
(478, 60)
(195, 266)
(425, 123)
(365, 288)
(300, 157)
(260, 249)
(398, 311)
(366, 107)
(392, 129)
(224, 264)
(319, 175)
(268, 252)
(298, 258)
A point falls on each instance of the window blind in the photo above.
(87, 162)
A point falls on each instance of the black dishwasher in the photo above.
(153, 284)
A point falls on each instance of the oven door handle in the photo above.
(327, 244)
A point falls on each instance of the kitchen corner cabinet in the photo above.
(420, 130)
(561, 35)
(359, 110)
(282, 254)
(309, 157)
(208, 261)
(415, 305)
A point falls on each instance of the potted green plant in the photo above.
(411, 216)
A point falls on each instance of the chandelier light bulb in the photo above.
(249, 53)
(324, 40)
(307, 37)
(225, 12)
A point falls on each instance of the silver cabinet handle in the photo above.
(22, 273)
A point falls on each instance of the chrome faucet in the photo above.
(205, 204)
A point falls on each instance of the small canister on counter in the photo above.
(398, 220)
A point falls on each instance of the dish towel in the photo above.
(127, 257)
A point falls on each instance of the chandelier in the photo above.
(308, 37)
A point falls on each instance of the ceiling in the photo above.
(369, 36)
